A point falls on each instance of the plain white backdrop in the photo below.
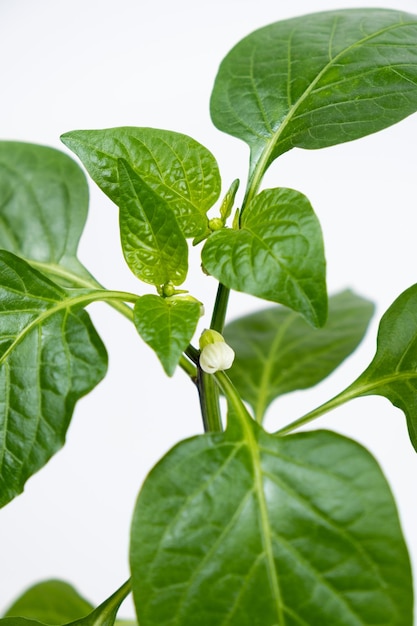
(78, 64)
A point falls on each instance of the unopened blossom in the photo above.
(216, 354)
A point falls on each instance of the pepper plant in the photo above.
(236, 526)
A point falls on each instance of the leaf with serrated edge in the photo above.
(278, 352)
(179, 169)
(167, 325)
(43, 208)
(153, 245)
(50, 356)
(222, 535)
(317, 80)
(277, 254)
(393, 370)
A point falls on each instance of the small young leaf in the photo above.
(176, 167)
(51, 602)
(167, 326)
(153, 245)
(393, 370)
(50, 356)
(247, 529)
(317, 80)
(277, 254)
(43, 205)
(278, 352)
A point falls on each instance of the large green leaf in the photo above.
(278, 352)
(43, 207)
(51, 602)
(277, 254)
(153, 245)
(317, 80)
(167, 325)
(50, 356)
(393, 371)
(54, 602)
(248, 529)
(176, 167)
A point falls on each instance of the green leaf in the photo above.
(278, 352)
(43, 207)
(277, 254)
(52, 602)
(247, 529)
(393, 370)
(50, 356)
(55, 600)
(167, 325)
(317, 80)
(153, 245)
(176, 167)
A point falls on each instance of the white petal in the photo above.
(216, 356)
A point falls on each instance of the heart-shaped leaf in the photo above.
(277, 254)
(278, 352)
(317, 80)
(244, 528)
(153, 245)
(43, 207)
(393, 370)
(167, 325)
(176, 167)
(50, 356)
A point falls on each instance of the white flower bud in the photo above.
(216, 356)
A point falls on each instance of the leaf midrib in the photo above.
(259, 167)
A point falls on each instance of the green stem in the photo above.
(209, 402)
(220, 307)
(228, 389)
(333, 403)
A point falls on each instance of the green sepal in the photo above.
(167, 325)
(276, 255)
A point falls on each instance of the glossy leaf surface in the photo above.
(167, 325)
(176, 167)
(43, 205)
(153, 245)
(51, 602)
(278, 352)
(50, 356)
(393, 371)
(247, 529)
(277, 254)
(317, 80)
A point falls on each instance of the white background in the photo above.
(81, 64)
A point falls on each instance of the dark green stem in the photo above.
(220, 307)
(209, 402)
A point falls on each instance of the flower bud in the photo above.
(217, 355)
